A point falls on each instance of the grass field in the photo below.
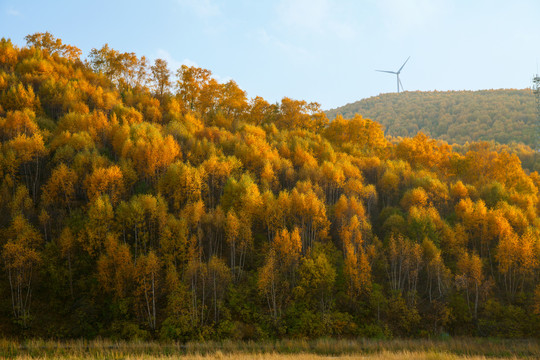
(407, 355)
(451, 349)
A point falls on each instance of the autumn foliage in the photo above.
(140, 201)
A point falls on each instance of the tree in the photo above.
(298, 114)
(8, 54)
(209, 98)
(233, 102)
(115, 268)
(147, 272)
(60, 189)
(191, 81)
(67, 244)
(268, 284)
(232, 235)
(364, 133)
(415, 197)
(261, 112)
(404, 264)
(421, 151)
(141, 221)
(277, 277)
(19, 97)
(244, 198)
(474, 218)
(275, 212)
(219, 276)
(99, 227)
(173, 242)
(161, 77)
(309, 214)
(316, 281)
(357, 262)
(123, 69)
(333, 178)
(438, 275)
(470, 277)
(182, 184)
(18, 122)
(21, 204)
(27, 152)
(217, 171)
(517, 261)
(105, 181)
(150, 151)
(21, 257)
(48, 43)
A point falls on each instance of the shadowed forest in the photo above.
(142, 202)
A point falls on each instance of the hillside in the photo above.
(502, 116)
(142, 202)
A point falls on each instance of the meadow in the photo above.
(455, 348)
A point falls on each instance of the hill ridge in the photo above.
(456, 116)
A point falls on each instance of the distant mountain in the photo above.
(504, 115)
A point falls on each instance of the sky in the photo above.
(314, 50)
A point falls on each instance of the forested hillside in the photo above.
(503, 116)
(140, 201)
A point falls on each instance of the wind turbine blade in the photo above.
(400, 84)
(403, 65)
(390, 72)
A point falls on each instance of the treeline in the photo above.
(138, 203)
(503, 116)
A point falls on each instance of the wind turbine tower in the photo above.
(536, 91)
(399, 84)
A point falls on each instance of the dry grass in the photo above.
(452, 349)
(385, 355)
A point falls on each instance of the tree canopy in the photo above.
(503, 116)
(140, 201)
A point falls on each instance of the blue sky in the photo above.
(316, 50)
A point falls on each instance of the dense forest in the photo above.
(503, 116)
(143, 202)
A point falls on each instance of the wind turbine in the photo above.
(397, 74)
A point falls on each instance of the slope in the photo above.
(504, 115)
(137, 204)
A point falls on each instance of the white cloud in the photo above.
(203, 8)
